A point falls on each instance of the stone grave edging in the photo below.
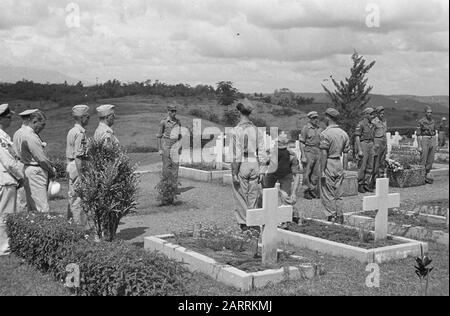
(379, 255)
(196, 262)
(201, 175)
(416, 232)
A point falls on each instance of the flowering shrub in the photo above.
(51, 243)
(108, 187)
(403, 158)
(394, 166)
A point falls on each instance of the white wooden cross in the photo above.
(298, 152)
(382, 202)
(396, 139)
(415, 143)
(218, 150)
(269, 216)
(389, 144)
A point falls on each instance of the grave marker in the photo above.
(415, 142)
(389, 144)
(396, 139)
(270, 216)
(382, 201)
(218, 150)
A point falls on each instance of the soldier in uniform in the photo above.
(249, 163)
(104, 130)
(38, 167)
(284, 168)
(443, 130)
(365, 134)
(334, 143)
(76, 157)
(380, 143)
(426, 131)
(169, 136)
(309, 147)
(11, 175)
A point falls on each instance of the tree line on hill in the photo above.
(65, 94)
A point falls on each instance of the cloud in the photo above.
(261, 45)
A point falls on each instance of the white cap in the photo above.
(53, 188)
(80, 110)
(105, 110)
(28, 112)
(4, 108)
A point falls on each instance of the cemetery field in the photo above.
(212, 204)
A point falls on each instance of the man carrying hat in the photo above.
(76, 151)
(168, 136)
(334, 144)
(309, 147)
(380, 145)
(38, 168)
(443, 130)
(284, 168)
(426, 131)
(104, 130)
(11, 175)
(365, 134)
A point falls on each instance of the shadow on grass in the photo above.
(131, 233)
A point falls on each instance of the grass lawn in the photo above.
(19, 279)
(344, 277)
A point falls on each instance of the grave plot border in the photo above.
(201, 175)
(408, 247)
(226, 274)
(415, 232)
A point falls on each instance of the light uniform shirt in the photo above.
(249, 144)
(426, 127)
(30, 148)
(169, 129)
(380, 128)
(365, 131)
(76, 143)
(104, 132)
(11, 170)
(335, 140)
(310, 135)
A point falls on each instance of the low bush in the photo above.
(283, 112)
(167, 188)
(206, 115)
(51, 243)
(231, 118)
(259, 122)
(108, 187)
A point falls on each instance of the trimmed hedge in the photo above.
(51, 243)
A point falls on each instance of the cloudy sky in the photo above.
(260, 45)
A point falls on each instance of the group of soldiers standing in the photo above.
(24, 163)
(324, 156)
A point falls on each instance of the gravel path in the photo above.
(213, 204)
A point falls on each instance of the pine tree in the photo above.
(352, 95)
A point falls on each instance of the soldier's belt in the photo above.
(367, 140)
(31, 165)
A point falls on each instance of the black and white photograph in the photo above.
(224, 154)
